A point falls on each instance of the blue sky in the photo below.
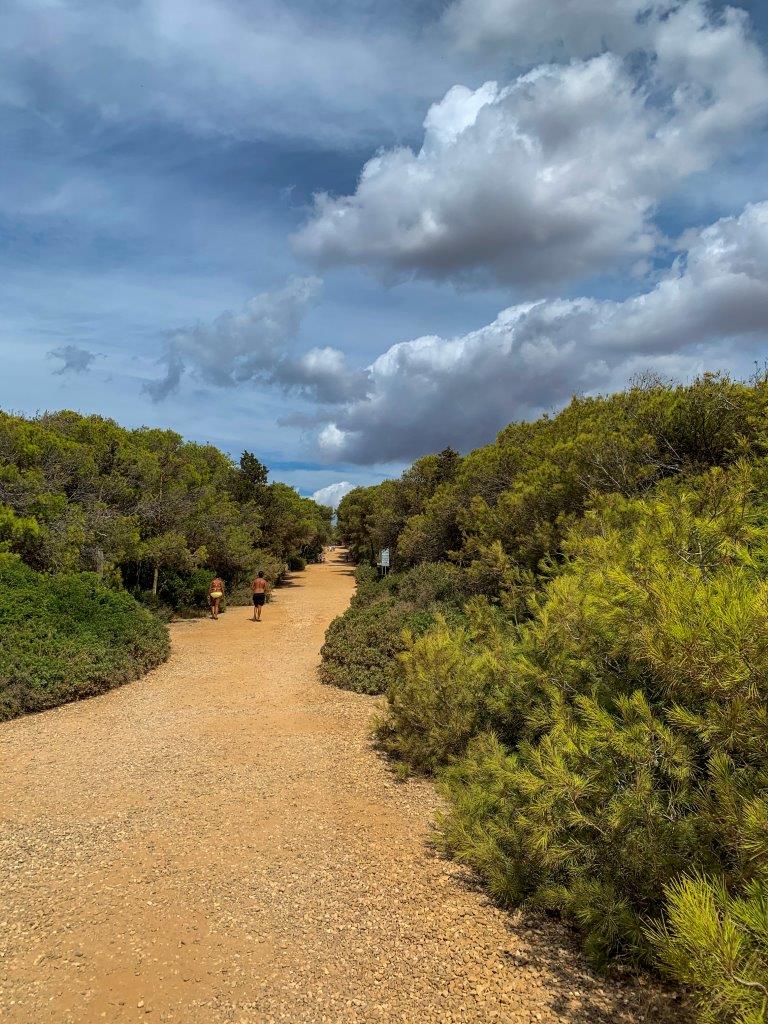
(159, 169)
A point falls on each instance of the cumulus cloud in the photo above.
(74, 359)
(253, 346)
(555, 176)
(431, 392)
(333, 493)
(321, 374)
(237, 347)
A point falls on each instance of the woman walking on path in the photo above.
(215, 594)
(259, 588)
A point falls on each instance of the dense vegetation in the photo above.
(597, 712)
(110, 517)
(68, 636)
(362, 644)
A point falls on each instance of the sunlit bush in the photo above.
(599, 720)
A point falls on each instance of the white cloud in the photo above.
(557, 175)
(333, 493)
(331, 438)
(253, 346)
(430, 392)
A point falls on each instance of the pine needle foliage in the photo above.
(718, 943)
(640, 752)
(443, 694)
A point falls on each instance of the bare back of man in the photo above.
(259, 587)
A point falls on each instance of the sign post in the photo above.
(383, 562)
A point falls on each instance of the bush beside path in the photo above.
(220, 843)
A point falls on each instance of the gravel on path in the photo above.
(218, 842)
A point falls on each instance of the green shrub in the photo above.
(473, 830)
(296, 563)
(441, 696)
(633, 720)
(429, 583)
(69, 636)
(369, 585)
(186, 592)
(615, 741)
(362, 645)
(601, 735)
(154, 604)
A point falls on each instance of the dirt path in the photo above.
(218, 843)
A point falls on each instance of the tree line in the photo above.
(145, 509)
(104, 532)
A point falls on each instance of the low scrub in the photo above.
(69, 636)
(717, 942)
(362, 645)
(441, 695)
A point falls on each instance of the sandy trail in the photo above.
(218, 843)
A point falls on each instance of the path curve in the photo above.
(219, 843)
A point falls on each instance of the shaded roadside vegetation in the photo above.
(584, 664)
(117, 519)
(69, 636)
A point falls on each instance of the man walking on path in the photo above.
(259, 588)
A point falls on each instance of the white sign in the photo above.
(384, 558)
